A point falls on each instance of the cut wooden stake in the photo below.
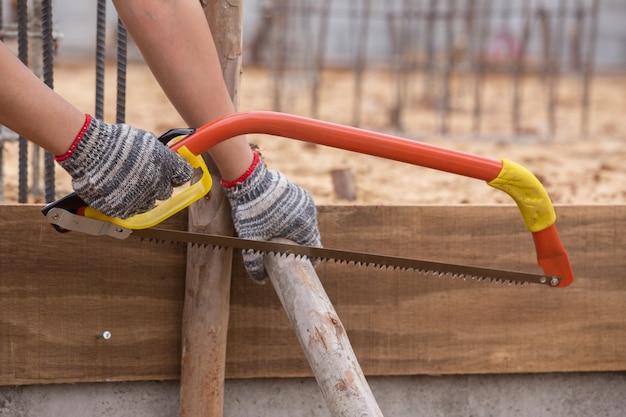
(343, 182)
(322, 336)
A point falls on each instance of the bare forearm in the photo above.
(31, 109)
(177, 44)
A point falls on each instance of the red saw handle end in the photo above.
(552, 257)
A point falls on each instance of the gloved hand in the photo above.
(266, 205)
(120, 170)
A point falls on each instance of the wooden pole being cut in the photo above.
(322, 337)
(207, 293)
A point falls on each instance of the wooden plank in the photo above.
(58, 292)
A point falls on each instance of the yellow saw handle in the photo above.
(539, 217)
(169, 207)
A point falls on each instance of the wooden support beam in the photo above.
(206, 313)
(207, 294)
(322, 337)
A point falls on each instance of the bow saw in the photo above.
(71, 213)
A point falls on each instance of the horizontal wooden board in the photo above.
(58, 292)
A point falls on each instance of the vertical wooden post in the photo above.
(207, 293)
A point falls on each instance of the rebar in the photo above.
(100, 57)
(588, 69)
(555, 66)
(122, 52)
(448, 71)
(22, 41)
(401, 37)
(360, 60)
(319, 57)
(480, 67)
(518, 70)
(444, 42)
(1, 127)
(48, 77)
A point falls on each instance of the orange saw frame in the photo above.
(525, 189)
(527, 192)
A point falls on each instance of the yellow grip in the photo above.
(169, 207)
(528, 193)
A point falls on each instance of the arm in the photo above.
(31, 109)
(116, 169)
(176, 43)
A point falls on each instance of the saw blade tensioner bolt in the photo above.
(106, 335)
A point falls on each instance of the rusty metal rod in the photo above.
(588, 69)
(448, 69)
(518, 71)
(360, 61)
(480, 66)
(22, 41)
(320, 56)
(555, 67)
(48, 46)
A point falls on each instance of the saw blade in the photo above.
(349, 257)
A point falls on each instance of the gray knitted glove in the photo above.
(121, 171)
(266, 205)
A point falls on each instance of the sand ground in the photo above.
(574, 169)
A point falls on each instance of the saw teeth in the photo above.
(379, 262)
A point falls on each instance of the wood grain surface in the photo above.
(59, 292)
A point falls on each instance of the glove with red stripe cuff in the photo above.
(120, 170)
(266, 205)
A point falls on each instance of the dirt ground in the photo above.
(574, 169)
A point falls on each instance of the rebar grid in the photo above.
(433, 49)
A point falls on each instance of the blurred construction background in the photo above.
(343, 24)
(441, 58)
(477, 68)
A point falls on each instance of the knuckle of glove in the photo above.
(254, 265)
(127, 205)
(180, 170)
(99, 197)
